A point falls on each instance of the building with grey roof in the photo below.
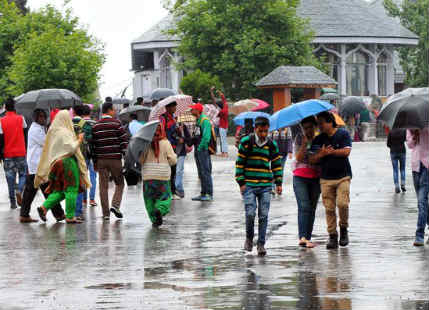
(356, 39)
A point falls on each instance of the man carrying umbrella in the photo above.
(13, 152)
(202, 137)
(331, 150)
(418, 141)
(168, 122)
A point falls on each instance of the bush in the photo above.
(197, 84)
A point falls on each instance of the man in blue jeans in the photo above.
(202, 137)
(13, 151)
(258, 163)
(398, 155)
(418, 142)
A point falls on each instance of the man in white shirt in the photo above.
(134, 125)
(36, 140)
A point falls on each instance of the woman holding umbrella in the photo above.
(156, 171)
(63, 166)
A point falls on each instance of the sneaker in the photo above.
(18, 198)
(397, 190)
(158, 218)
(180, 194)
(419, 242)
(106, 218)
(198, 198)
(116, 212)
(333, 242)
(13, 206)
(206, 198)
(248, 245)
(344, 237)
(403, 188)
(176, 197)
(261, 250)
(92, 203)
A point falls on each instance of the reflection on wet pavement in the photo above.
(195, 260)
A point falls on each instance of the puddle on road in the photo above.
(111, 286)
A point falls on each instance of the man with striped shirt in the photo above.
(258, 165)
(110, 142)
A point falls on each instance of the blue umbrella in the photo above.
(239, 119)
(295, 113)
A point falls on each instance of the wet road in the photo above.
(195, 260)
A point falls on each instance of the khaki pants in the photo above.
(107, 167)
(336, 193)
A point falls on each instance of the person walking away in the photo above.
(89, 163)
(258, 165)
(418, 142)
(156, 173)
(181, 151)
(398, 155)
(331, 150)
(202, 137)
(82, 126)
(63, 166)
(36, 141)
(134, 126)
(13, 151)
(283, 138)
(110, 142)
(223, 120)
(306, 181)
(169, 123)
(364, 120)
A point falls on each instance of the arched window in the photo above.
(331, 61)
(357, 74)
(382, 62)
(165, 70)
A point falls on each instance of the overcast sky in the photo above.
(116, 23)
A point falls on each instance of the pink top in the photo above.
(420, 151)
(304, 169)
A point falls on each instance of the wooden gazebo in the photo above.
(282, 79)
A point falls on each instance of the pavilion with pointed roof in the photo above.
(356, 39)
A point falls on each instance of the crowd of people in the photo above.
(63, 153)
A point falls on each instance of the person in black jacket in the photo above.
(398, 154)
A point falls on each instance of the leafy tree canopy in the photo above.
(413, 15)
(241, 41)
(198, 84)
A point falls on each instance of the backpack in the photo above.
(84, 147)
(213, 139)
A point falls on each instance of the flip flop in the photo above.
(41, 214)
(73, 221)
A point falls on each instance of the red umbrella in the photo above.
(261, 104)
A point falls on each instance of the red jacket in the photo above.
(223, 114)
(12, 126)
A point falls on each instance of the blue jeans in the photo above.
(257, 198)
(307, 193)
(223, 141)
(421, 185)
(180, 170)
(12, 167)
(204, 166)
(84, 196)
(398, 160)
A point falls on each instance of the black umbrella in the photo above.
(141, 141)
(162, 93)
(352, 105)
(407, 110)
(45, 99)
(142, 113)
(329, 97)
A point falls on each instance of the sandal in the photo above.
(73, 221)
(303, 242)
(92, 203)
(42, 213)
(310, 245)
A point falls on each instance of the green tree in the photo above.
(198, 84)
(413, 15)
(29, 60)
(21, 5)
(241, 41)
